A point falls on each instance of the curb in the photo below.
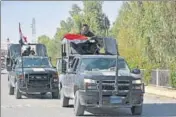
(171, 93)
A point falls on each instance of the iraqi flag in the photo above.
(75, 38)
(23, 39)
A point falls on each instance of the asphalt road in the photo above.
(34, 106)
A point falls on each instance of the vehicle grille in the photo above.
(110, 85)
(38, 80)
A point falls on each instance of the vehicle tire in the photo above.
(64, 100)
(78, 108)
(136, 110)
(17, 92)
(11, 89)
(55, 95)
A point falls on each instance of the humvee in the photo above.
(98, 80)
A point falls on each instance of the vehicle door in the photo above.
(73, 77)
(67, 80)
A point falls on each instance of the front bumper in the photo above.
(26, 88)
(37, 90)
(92, 99)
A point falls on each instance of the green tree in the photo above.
(95, 18)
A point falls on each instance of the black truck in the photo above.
(91, 82)
(102, 80)
(33, 74)
(30, 74)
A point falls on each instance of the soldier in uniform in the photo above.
(26, 51)
(86, 32)
(32, 52)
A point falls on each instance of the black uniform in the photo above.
(32, 52)
(25, 53)
(88, 34)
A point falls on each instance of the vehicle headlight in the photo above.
(89, 81)
(55, 77)
(90, 84)
(136, 82)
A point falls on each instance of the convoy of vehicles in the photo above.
(89, 76)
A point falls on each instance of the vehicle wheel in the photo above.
(11, 89)
(136, 110)
(55, 95)
(17, 92)
(64, 100)
(78, 108)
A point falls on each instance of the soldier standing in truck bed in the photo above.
(88, 46)
(86, 32)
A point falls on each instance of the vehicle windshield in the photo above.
(93, 64)
(36, 62)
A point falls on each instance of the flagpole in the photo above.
(21, 49)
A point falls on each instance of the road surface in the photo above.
(154, 106)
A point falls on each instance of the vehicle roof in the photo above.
(98, 56)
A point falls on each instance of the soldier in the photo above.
(86, 32)
(32, 52)
(26, 51)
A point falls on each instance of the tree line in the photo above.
(145, 32)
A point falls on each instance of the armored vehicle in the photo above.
(102, 80)
(33, 74)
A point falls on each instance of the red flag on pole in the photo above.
(75, 38)
(23, 39)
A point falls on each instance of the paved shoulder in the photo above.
(161, 91)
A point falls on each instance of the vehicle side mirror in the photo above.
(136, 71)
(50, 58)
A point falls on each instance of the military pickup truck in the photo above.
(33, 74)
(94, 81)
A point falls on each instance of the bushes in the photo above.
(173, 79)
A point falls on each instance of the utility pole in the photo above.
(33, 31)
